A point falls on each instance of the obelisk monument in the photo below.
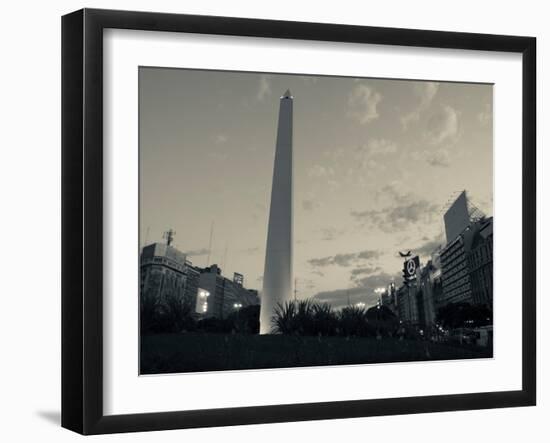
(277, 282)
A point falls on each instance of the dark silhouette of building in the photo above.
(430, 291)
(165, 272)
(166, 276)
(220, 296)
(463, 223)
(467, 264)
(480, 259)
(407, 304)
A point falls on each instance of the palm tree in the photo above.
(325, 320)
(284, 319)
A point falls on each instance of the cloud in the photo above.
(357, 272)
(399, 217)
(221, 139)
(381, 146)
(373, 149)
(344, 260)
(369, 254)
(338, 259)
(429, 246)
(443, 125)
(486, 116)
(393, 191)
(264, 88)
(425, 93)
(253, 250)
(363, 102)
(331, 233)
(440, 158)
(309, 205)
(197, 252)
(319, 171)
(363, 291)
(218, 155)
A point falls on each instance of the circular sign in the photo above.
(411, 267)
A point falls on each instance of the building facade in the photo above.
(480, 259)
(219, 296)
(430, 291)
(457, 287)
(467, 265)
(166, 273)
(407, 304)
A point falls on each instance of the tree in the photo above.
(246, 320)
(171, 315)
(324, 320)
(383, 320)
(353, 322)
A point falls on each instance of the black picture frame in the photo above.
(82, 219)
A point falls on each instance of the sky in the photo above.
(376, 162)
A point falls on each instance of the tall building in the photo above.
(457, 217)
(219, 296)
(457, 287)
(430, 291)
(277, 281)
(480, 259)
(165, 272)
(407, 304)
(463, 223)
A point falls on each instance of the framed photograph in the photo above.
(269, 221)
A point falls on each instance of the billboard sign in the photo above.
(410, 266)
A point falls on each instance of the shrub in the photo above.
(458, 315)
(171, 315)
(305, 317)
(284, 320)
(246, 320)
(324, 321)
(353, 322)
(383, 320)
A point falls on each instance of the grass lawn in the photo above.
(190, 352)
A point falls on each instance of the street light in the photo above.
(203, 300)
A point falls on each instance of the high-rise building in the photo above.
(463, 222)
(277, 280)
(457, 287)
(407, 304)
(457, 217)
(238, 278)
(219, 296)
(165, 272)
(430, 291)
(480, 259)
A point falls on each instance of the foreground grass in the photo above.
(169, 353)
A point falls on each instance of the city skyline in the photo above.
(375, 162)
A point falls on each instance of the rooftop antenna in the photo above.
(210, 243)
(169, 236)
(224, 257)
